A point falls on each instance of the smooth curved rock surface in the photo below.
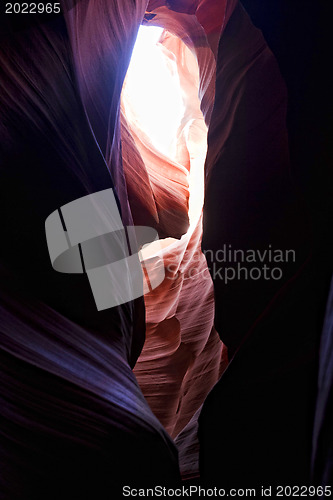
(75, 421)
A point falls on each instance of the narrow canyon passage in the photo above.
(199, 379)
(165, 144)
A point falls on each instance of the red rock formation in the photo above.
(73, 418)
(181, 358)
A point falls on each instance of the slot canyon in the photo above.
(206, 119)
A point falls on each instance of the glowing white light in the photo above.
(153, 90)
(154, 103)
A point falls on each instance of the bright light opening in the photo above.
(153, 91)
(161, 103)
